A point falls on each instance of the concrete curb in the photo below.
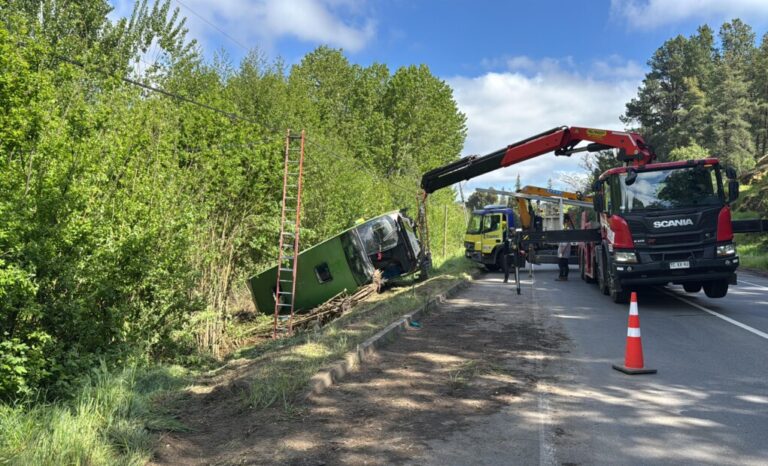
(325, 378)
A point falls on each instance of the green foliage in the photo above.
(130, 220)
(704, 97)
(692, 152)
(478, 200)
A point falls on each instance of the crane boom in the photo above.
(562, 140)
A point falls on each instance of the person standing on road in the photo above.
(563, 252)
(505, 252)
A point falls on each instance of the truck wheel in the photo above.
(693, 287)
(593, 278)
(602, 283)
(621, 297)
(716, 289)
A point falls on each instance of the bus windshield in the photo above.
(378, 235)
(667, 189)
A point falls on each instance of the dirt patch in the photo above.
(471, 358)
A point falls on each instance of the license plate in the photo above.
(680, 265)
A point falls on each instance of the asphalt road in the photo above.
(708, 403)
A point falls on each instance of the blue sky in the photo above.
(517, 67)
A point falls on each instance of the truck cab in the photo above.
(665, 223)
(486, 233)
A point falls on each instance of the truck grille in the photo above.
(677, 256)
(673, 240)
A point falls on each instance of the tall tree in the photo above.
(419, 141)
(478, 200)
(678, 70)
(732, 108)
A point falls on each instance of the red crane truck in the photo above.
(659, 223)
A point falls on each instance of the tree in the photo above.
(419, 136)
(665, 90)
(691, 152)
(731, 131)
(517, 182)
(758, 77)
(478, 200)
(596, 164)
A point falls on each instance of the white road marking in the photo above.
(753, 284)
(546, 445)
(717, 314)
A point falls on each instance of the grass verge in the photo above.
(753, 253)
(752, 247)
(110, 421)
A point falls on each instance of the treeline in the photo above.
(707, 95)
(128, 217)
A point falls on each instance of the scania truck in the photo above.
(659, 223)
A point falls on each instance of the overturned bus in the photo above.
(345, 262)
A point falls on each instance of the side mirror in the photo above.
(733, 190)
(730, 172)
(597, 202)
(631, 177)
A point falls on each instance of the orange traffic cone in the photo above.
(633, 356)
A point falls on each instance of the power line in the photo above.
(172, 95)
(360, 164)
(211, 24)
(330, 152)
(230, 115)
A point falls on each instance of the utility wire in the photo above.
(360, 164)
(172, 95)
(231, 115)
(211, 24)
(319, 146)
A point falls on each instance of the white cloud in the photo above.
(338, 23)
(504, 107)
(653, 13)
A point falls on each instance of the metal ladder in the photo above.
(290, 225)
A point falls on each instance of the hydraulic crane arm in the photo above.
(562, 140)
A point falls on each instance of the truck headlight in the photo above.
(726, 249)
(625, 257)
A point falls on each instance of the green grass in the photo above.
(110, 421)
(752, 247)
(752, 252)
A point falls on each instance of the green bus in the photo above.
(345, 262)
